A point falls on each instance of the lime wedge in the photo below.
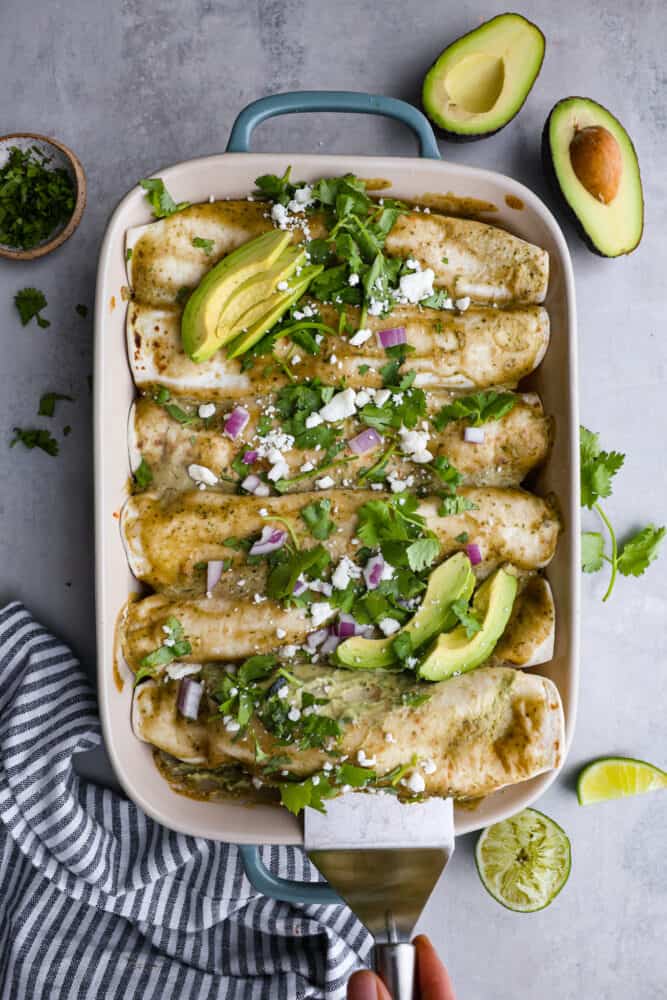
(616, 777)
(524, 861)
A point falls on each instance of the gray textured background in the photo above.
(133, 86)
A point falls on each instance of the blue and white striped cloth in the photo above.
(97, 900)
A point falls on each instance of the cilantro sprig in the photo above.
(477, 409)
(159, 199)
(633, 557)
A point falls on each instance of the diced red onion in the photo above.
(330, 645)
(189, 697)
(474, 553)
(345, 627)
(249, 457)
(392, 337)
(236, 421)
(270, 540)
(253, 484)
(315, 639)
(474, 435)
(299, 586)
(373, 571)
(366, 441)
(213, 573)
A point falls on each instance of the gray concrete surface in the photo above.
(137, 85)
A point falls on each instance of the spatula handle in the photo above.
(395, 965)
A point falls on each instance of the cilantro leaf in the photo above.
(476, 409)
(422, 553)
(466, 617)
(450, 505)
(402, 646)
(178, 414)
(30, 302)
(201, 244)
(283, 575)
(276, 188)
(356, 777)
(34, 437)
(143, 474)
(159, 199)
(296, 795)
(446, 473)
(639, 552)
(598, 468)
(316, 517)
(47, 403)
(592, 551)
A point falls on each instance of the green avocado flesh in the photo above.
(248, 303)
(455, 653)
(453, 580)
(274, 308)
(612, 228)
(203, 308)
(479, 83)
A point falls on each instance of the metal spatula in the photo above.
(383, 857)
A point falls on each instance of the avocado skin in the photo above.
(552, 179)
(458, 137)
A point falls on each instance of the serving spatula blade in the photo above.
(383, 857)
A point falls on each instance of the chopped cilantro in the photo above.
(34, 200)
(201, 244)
(34, 437)
(466, 617)
(454, 505)
(159, 198)
(30, 302)
(316, 517)
(161, 394)
(143, 474)
(422, 553)
(47, 403)
(174, 646)
(178, 414)
(462, 538)
(82, 310)
(284, 573)
(128, 255)
(183, 294)
(363, 369)
(402, 646)
(476, 409)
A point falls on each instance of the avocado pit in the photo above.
(597, 162)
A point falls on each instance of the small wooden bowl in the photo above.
(60, 156)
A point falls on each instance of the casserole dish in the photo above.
(232, 174)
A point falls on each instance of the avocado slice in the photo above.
(203, 308)
(248, 303)
(453, 580)
(480, 81)
(591, 162)
(275, 307)
(453, 652)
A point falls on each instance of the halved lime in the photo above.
(616, 777)
(524, 861)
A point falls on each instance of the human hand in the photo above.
(432, 978)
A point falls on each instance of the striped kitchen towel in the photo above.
(99, 901)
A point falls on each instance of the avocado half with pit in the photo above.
(480, 81)
(591, 162)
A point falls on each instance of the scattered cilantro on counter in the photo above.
(633, 558)
(82, 310)
(34, 437)
(48, 401)
(30, 302)
(34, 200)
(159, 199)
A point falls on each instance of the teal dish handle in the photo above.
(298, 102)
(310, 893)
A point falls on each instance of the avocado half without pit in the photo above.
(480, 82)
(591, 162)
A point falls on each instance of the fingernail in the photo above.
(362, 986)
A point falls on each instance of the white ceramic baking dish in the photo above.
(232, 174)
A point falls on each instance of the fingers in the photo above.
(433, 978)
(366, 986)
